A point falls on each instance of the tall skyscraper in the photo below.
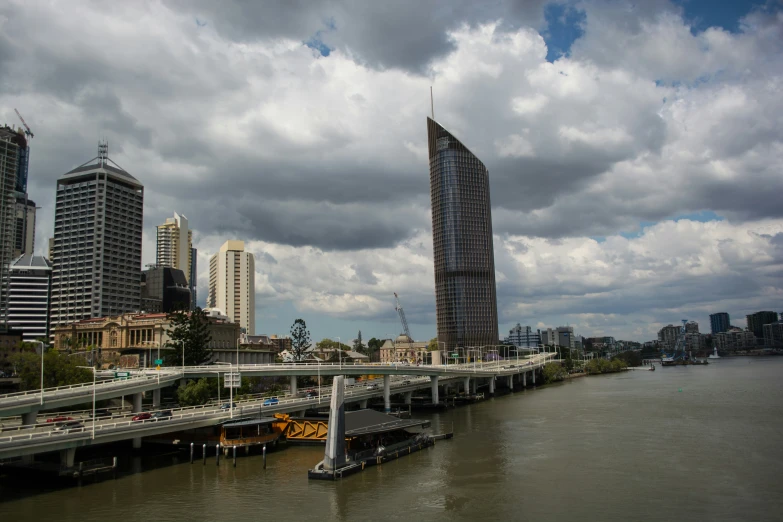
(719, 322)
(193, 278)
(10, 157)
(29, 292)
(757, 321)
(24, 238)
(232, 282)
(465, 294)
(175, 244)
(97, 241)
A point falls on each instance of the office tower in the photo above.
(96, 265)
(10, 149)
(164, 289)
(193, 278)
(465, 297)
(523, 337)
(232, 281)
(175, 244)
(757, 321)
(24, 238)
(29, 291)
(719, 322)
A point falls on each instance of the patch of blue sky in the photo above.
(704, 216)
(564, 27)
(318, 45)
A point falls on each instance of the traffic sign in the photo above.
(122, 375)
(455, 356)
(158, 362)
(233, 380)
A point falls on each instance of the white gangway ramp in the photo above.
(334, 454)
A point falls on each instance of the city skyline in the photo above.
(620, 205)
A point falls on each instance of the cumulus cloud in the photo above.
(319, 162)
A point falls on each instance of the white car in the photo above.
(372, 386)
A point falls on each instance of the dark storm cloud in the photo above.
(406, 34)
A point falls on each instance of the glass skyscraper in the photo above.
(465, 295)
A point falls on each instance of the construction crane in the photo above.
(28, 131)
(404, 322)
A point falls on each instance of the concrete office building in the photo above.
(757, 321)
(193, 278)
(465, 294)
(523, 337)
(719, 322)
(29, 292)
(232, 281)
(97, 242)
(164, 289)
(175, 246)
(24, 237)
(10, 151)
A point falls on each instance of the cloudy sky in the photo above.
(634, 148)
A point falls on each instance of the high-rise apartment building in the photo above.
(232, 281)
(97, 242)
(29, 291)
(719, 322)
(757, 321)
(465, 295)
(175, 249)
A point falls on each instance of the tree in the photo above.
(433, 345)
(358, 346)
(553, 372)
(192, 328)
(300, 339)
(330, 344)
(194, 393)
(59, 369)
(374, 349)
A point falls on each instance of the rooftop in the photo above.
(31, 261)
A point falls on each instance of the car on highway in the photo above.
(142, 416)
(311, 394)
(228, 406)
(101, 412)
(67, 426)
(271, 401)
(161, 415)
(59, 419)
(406, 382)
(372, 386)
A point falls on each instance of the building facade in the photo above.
(96, 261)
(29, 293)
(719, 322)
(773, 334)
(10, 150)
(465, 293)
(565, 337)
(24, 237)
(134, 340)
(175, 249)
(164, 289)
(193, 278)
(735, 339)
(523, 337)
(232, 281)
(667, 337)
(757, 321)
(403, 350)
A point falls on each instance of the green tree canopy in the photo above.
(59, 369)
(329, 344)
(433, 344)
(358, 345)
(192, 329)
(300, 339)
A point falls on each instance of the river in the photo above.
(682, 443)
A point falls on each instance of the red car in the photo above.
(59, 419)
(142, 416)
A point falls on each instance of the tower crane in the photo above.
(27, 127)
(401, 313)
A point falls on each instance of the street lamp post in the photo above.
(182, 342)
(445, 354)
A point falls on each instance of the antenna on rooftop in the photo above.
(432, 104)
(103, 151)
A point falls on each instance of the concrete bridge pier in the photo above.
(473, 386)
(510, 382)
(408, 397)
(293, 385)
(363, 404)
(467, 385)
(492, 386)
(534, 377)
(67, 457)
(386, 393)
(434, 385)
(156, 399)
(136, 409)
(29, 418)
(524, 380)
